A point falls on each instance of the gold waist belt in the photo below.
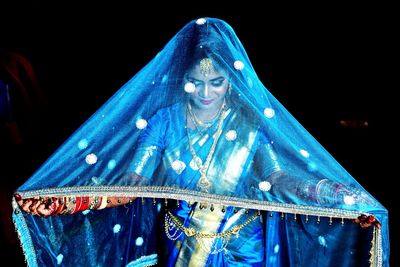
(189, 231)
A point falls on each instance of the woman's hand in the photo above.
(367, 221)
(51, 206)
(41, 206)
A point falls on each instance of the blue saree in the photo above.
(168, 142)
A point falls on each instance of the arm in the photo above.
(321, 191)
(52, 206)
(146, 159)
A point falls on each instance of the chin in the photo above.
(210, 106)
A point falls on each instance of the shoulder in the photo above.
(165, 111)
(246, 117)
(250, 122)
(166, 115)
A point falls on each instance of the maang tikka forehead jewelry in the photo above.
(206, 66)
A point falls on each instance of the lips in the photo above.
(206, 101)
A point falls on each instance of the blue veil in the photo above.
(133, 146)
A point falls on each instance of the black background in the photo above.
(325, 63)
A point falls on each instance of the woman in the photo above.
(220, 167)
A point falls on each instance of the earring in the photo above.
(230, 88)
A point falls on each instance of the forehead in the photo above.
(196, 73)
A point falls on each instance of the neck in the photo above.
(206, 115)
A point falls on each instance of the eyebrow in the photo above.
(215, 79)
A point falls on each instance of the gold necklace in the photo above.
(204, 183)
(200, 123)
(198, 127)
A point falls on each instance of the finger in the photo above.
(53, 206)
(365, 225)
(34, 205)
(20, 202)
(19, 199)
(42, 210)
(371, 219)
(26, 204)
(56, 203)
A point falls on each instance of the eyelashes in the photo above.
(216, 83)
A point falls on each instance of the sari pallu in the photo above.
(230, 165)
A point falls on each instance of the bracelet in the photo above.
(84, 204)
(81, 204)
(103, 203)
(69, 206)
(72, 205)
(77, 203)
(95, 202)
(61, 207)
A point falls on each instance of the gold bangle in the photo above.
(69, 206)
(94, 203)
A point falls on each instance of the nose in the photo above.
(204, 92)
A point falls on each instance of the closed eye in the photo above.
(217, 83)
(195, 82)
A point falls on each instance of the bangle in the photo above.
(103, 203)
(77, 203)
(82, 203)
(69, 205)
(61, 207)
(95, 203)
(85, 203)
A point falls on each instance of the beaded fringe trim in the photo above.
(194, 196)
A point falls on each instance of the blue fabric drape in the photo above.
(136, 145)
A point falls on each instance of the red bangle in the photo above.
(82, 203)
(78, 201)
(371, 219)
(60, 208)
(85, 203)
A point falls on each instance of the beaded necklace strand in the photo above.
(204, 183)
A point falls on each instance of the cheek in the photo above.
(221, 91)
(193, 96)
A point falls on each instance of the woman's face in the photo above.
(210, 89)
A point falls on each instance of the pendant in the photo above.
(204, 182)
(189, 231)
